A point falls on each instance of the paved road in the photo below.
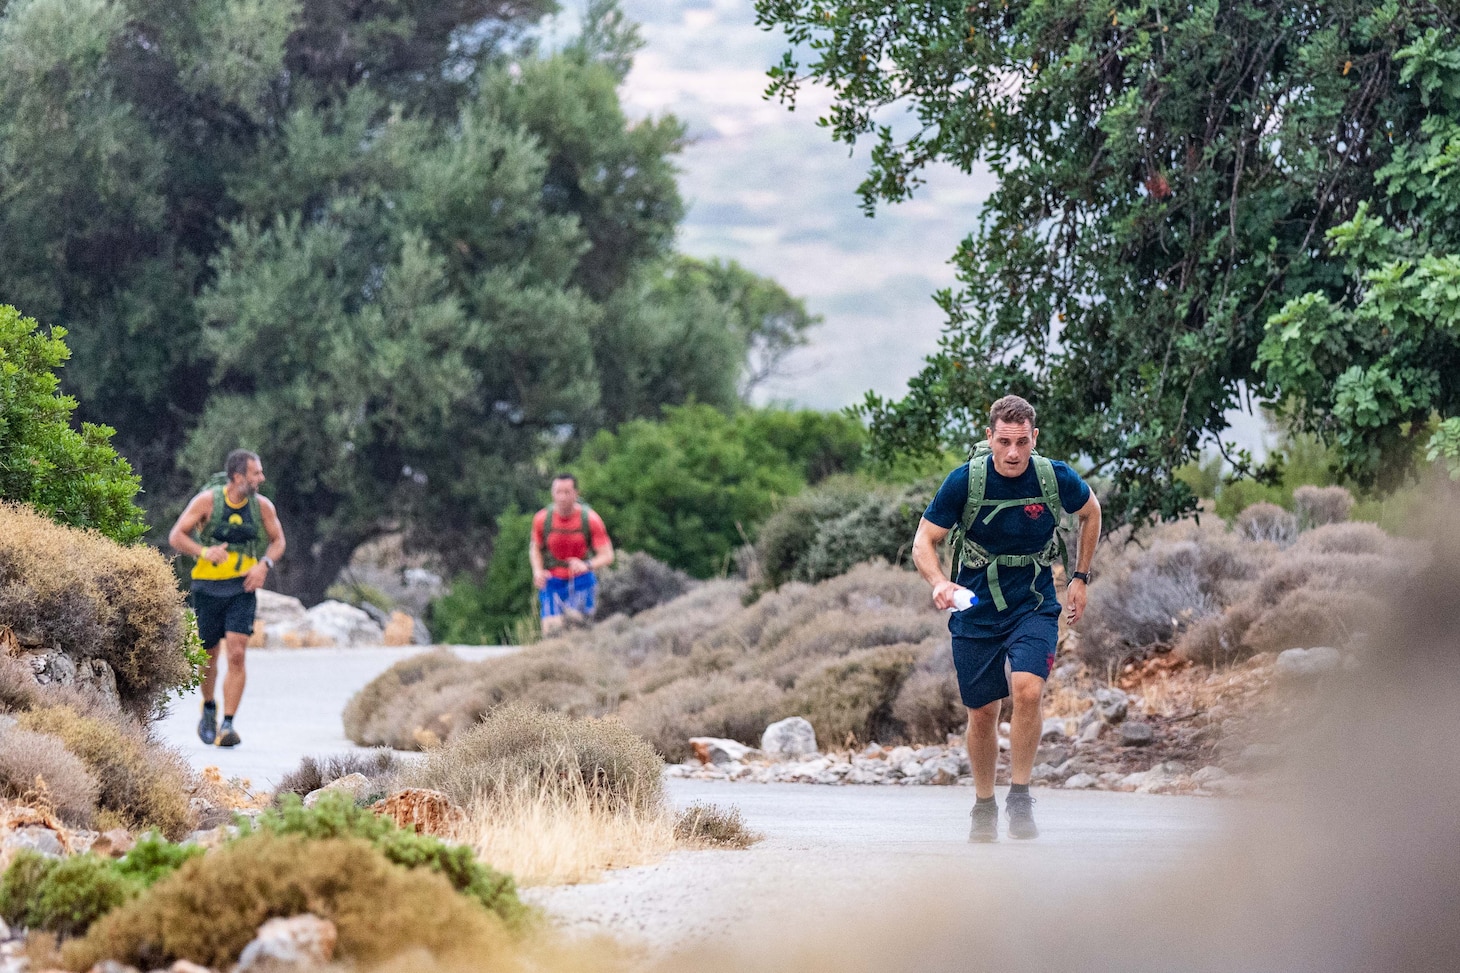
(829, 852)
(291, 708)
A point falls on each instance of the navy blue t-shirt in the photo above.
(1014, 530)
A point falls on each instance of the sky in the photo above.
(768, 187)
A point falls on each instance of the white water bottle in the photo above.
(963, 599)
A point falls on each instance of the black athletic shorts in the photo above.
(220, 614)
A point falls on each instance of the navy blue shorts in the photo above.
(1029, 647)
(575, 594)
(218, 615)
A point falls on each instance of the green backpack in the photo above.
(970, 554)
(217, 525)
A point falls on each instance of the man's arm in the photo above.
(1075, 591)
(602, 546)
(534, 557)
(259, 573)
(925, 559)
(198, 510)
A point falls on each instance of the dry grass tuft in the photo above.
(96, 599)
(37, 767)
(709, 826)
(142, 783)
(380, 766)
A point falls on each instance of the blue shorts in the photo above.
(1030, 647)
(574, 594)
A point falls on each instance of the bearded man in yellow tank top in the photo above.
(234, 533)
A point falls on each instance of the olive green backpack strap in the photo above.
(548, 558)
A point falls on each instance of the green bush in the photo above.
(95, 599)
(61, 895)
(336, 816)
(154, 858)
(74, 478)
(825, 531)
(485, 612)
(209, 909)
(692, 487)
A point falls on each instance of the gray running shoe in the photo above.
(1020, 808)
(208, 725)
(227, 735)
(985, 823)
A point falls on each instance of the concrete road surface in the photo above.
(291, 708)
(828, 852)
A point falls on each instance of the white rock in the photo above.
(1307, 663)
(717, 750)
(298, 942)
(1054, 729)
(1081, 782)
(1208, 774)
(1112, 703)
(1137, 735)
(1092, 731)
(346, 624)
(354, 785)
(276, 609)
(899, 755)
(1043, 772)
(791, 737)
(34, 837)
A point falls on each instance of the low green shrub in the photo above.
(517, 746)
(62, 895)
(144, 784)
(336, 816)
(485, 611)
(153, 858)
(711, 826)
(211, 907)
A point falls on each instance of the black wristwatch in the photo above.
(1078, 576)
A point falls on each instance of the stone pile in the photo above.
(284, 623)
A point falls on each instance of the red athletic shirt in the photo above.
(566, 540)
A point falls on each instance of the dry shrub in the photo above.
(1324, 590)
(142, 783)
(518, 748)
(363, 713)
(637, 582)
(380, 766)
(701, 665)
(1146, 596)
(38, 767)
(928, 705)
(1267, 522)
(94, 599)
(849, 700)
(212, 907)
(710, 826)
(1316, 506)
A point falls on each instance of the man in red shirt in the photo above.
(568, 543)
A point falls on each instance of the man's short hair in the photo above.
(1011, 409)
(566, 476)
(237, 462)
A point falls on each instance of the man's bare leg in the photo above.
(1027, 725)
(983, 747)
(237, 675)
(210, 673)
(1024, 732)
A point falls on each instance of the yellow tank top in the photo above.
(237, 564)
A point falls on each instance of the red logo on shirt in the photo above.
(1034, 510)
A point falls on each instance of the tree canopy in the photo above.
(74, 478)
(392, 247)
(1167, 173)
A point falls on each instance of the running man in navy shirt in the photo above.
(1016, 616)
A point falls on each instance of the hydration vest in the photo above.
(970, 554)
(246, 541)
(549, 560)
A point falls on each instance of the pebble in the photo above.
(1082, 782)
(1136, 735)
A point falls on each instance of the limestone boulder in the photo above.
(299, 942)
(791, 737)
(426, 811)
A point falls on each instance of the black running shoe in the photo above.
(208, 725)
(227, 735)
(985, 823)
(1021, 816)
